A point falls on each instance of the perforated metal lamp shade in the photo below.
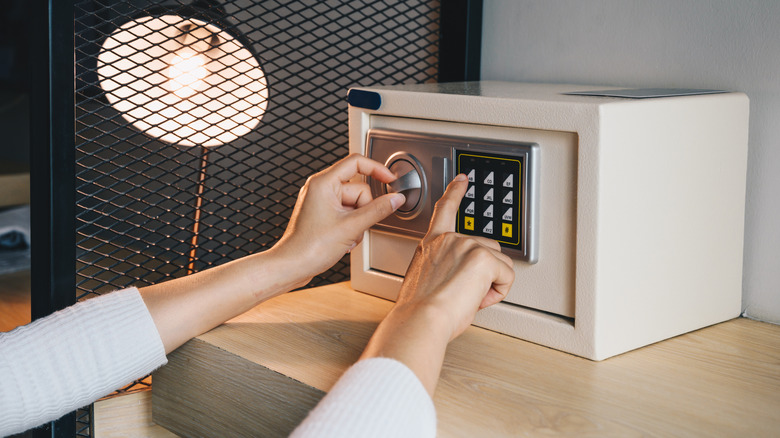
(182, 80)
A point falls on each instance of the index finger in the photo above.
(356, 164)
(446, 211)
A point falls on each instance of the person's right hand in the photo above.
(450, 278)
(455, 274)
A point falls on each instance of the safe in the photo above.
(622, 209)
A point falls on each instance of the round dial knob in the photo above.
(411, 182)
(408, 183)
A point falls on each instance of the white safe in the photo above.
(623, 210)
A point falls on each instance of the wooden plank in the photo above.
(125, 416)
(721, 380)
(207, 391)
(332, 324)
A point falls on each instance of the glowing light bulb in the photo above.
(186, 74)
(179, 87)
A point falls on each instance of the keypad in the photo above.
(491, 207)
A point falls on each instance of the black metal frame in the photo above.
(52, 147)
(52, 170)
(461, 40)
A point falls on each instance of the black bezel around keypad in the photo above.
(493, 203)
(513, 171)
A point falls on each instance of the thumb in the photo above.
(376, 210)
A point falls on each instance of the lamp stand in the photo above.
(198, 204)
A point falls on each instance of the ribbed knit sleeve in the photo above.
(73, 357)
(376, 397)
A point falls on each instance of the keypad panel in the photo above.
(492, 206)
(502, 202)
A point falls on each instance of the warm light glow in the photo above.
(182, 80)
(186, 74)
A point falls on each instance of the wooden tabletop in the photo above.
(260, 373)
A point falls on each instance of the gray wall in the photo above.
(733, 45)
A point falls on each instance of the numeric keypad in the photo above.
(492, 198)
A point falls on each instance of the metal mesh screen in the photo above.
(149, 208)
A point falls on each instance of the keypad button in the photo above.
(470, 192)
(488, 211)
(509, 181)
(506, 230)
(489, 178)
(468, 223)
(488, 228)
(470, 208)
(488, 195)
(508, 198)
(507, 215)
(471, 174)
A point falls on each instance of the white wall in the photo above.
(723, 44)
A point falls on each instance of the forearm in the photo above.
(187, 307)
(71, 358)
(377, 397)
(329, 219)
(416, 338)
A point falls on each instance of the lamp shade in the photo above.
(182, 80)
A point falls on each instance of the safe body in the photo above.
(627, 216)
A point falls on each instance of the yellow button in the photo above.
(468, 223)
(506, 230)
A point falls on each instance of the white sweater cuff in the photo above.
(376, 397)
(73, 357)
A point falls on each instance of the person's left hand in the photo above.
(332, 213)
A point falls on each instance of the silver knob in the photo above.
(409, 181)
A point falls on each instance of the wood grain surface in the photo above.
(285, 354)
(126, 416)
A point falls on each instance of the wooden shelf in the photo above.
(259, 374)
(128, 415)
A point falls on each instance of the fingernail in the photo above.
(397, 200)
(460, 177)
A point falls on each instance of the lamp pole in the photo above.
(198, 207)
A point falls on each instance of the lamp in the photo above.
(184, 81)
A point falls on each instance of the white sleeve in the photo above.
(73, 357)
(376, 397)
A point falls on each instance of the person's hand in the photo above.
(450, 278)
(328, 220)
(454, 273)
(332, 213)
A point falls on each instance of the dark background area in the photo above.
(14, 82)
